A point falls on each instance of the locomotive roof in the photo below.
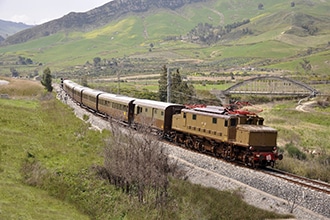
(155, 104)
(207, 113)
(256, 128)
(211, 109)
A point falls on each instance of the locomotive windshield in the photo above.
(232, 122)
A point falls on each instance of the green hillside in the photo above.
(279, 37)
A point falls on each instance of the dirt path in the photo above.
(305, 107)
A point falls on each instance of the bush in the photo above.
(295, 152)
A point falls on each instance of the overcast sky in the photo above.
(40, 11)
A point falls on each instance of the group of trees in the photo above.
(181, 91)
(206, 33)
(24, 61)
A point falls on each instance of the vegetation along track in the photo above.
(299, 180)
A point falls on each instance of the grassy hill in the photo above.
(281, 36)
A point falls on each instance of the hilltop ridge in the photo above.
(84, 21)
(8, 28)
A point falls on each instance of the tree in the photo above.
(46, 80)
(96, 60)
(162, 88)
(14, 72)
(306, 65)
(181, 92)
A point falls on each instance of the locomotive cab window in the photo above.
(233, 122)
(184, 115)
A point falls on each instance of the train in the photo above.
(222, 132)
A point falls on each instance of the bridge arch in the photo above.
(271, 85)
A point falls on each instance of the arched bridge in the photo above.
(268, 86)
(271, 85)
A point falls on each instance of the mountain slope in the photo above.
(8, 28)
(95, 18)
(276, 34)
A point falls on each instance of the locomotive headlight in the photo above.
(251, 148)
(274, 149)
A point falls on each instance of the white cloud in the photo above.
(21, 18)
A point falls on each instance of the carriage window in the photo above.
(194, 117)
(214, 120)
(139, 110)
(162, 113)
(155, 111)
(226, 123)
(146, 110)
(184, 115)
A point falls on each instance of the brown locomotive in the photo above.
(239, 137)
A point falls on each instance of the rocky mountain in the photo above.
(95, 17)
(8, 28)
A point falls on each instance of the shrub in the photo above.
(295, 152)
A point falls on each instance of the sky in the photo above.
(35, 12)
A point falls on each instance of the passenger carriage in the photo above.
(156, 114)
(73, 90)
(89, 98)
(116, 106)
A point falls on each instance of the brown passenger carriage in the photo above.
(156, 114)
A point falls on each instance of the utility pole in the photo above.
(118, 80)
(169, 85)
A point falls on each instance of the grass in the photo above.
(46, 161)
(21, 127)
(305, 131)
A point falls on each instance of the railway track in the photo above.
(299, 180)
